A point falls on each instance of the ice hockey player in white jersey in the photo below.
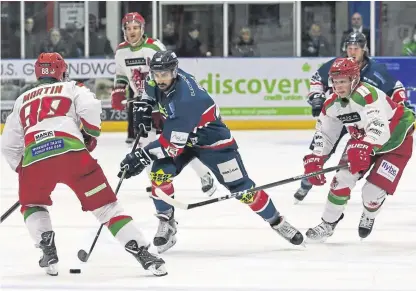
(371, 72)
(132, 67)
(43, 143)
(381, 144)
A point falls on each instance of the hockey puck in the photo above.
(75, 271)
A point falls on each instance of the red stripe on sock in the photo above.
(260, 200)
(167, 188)
(23, 209)
(117, 218)
(341, 192)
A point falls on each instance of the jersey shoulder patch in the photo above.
(122, 45)
(154, 44)
(364, 94)
(329, 102)
(150, 40)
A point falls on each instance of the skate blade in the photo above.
(52, 270)
(211, 191)
(163, 248)
(309, 240)
(158, 270)
(297, 201)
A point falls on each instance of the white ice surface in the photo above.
(223, 246)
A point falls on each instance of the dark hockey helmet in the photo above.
(164, 61)
(357, 38)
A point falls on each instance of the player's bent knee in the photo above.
(106, 212)
(373, 196)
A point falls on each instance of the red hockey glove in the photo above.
(313, 163)
(117, 96)
(358, 153)
(89, 141)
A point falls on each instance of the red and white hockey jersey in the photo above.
(46, 122)
(369, 115)
(132, 63)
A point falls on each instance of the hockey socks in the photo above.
(124, 230)
(162, 206)
(261, 204)
(37, 221)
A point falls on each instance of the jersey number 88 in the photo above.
(42, 108)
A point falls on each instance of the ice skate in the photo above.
(49, 259)
(287, 231)
(366, 226)
(322, 231)
(304, 189)
(165, 236)
(148, 261)
(208, 185)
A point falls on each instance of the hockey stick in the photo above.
(186, 206)
(83, 256)
(10, 211)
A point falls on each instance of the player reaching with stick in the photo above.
(381, 144)
(44, 129)
(192, 129)
(371, 72)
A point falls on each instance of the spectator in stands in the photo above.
(170, 37)
(357, 26)
(192, 46)
(409, 45)
(99, 44)
(245, 46)
(74, 39)
(314, 44)
(31, 39)
(55, 43)
(10, 42)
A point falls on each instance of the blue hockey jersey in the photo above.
(191, 118)
(373, 73)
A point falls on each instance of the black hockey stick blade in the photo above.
(182, 205)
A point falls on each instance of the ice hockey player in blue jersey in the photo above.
(374, 73)
(192, 128)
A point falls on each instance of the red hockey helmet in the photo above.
(50, 65)
(345, 68)
(132, 17)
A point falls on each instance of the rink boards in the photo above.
(252, 93)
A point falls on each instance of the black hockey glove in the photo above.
(142, 117)
(134, 163)
(317, 102)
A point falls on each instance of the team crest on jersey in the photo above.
(356, 133)
(139, 78)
